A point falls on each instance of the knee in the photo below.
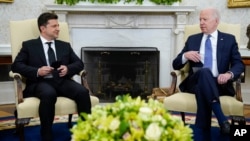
(83, 91)
(48, 96)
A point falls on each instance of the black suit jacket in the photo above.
(32, 56)
(228, 57)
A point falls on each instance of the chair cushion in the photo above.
(185, 102)
(29, 107)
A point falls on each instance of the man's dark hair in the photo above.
(44, 18)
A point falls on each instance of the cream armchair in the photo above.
(185, 102)
(27, 108)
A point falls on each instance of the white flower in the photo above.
(157, 118)
(153, 132)
(146, 110)
(115, 123)
(145, 113)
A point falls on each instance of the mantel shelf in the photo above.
(119, 8)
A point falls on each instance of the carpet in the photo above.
(61, 131)
(9, 122)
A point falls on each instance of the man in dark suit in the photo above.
(49, 77)
(210, 79)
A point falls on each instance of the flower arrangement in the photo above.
(131, 119)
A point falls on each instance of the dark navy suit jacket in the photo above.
(32, 56)
(228, 57)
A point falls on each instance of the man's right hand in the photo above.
(193, 56)
(45, 70)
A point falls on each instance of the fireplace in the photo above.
(128, 26)
(116, 71)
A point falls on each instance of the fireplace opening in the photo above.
(116, 71)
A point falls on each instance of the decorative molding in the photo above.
(115, 8)
(128, 21)
(5, 49)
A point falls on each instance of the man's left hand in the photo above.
(63, 70)
(223, 78)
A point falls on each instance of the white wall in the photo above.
(25, 9)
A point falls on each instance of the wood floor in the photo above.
(7, 110)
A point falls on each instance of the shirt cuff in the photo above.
(232, 75)
(184, 59)
(37, 75)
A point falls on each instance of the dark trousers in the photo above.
(205, 87)
(48, 90)
(206, 90)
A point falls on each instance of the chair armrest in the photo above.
(18, 84)
(173, 86)
(238, 94)
(176, 73)
(83, 73)
(84, 81)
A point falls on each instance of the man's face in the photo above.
(208, 23)
(51, 30)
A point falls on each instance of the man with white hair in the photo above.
(216, 55)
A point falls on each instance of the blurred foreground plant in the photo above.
(131, 120)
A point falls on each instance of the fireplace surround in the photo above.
(128, 26)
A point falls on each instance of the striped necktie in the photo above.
(208, 58)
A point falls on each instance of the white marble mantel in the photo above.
(126, 25)
(180, 13)
(120, 8)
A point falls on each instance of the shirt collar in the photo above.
(213, 35)
(44, 40)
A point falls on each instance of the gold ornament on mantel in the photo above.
(138, 2)
(248, 35)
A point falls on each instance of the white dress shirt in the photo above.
(213, 38)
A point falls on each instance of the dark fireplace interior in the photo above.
(116, 71)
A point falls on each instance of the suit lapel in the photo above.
(58, 51)
(198, 43)
(40, 51)
(220, 46)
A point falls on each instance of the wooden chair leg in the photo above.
(183, 117)
(20, 123)
(70, 121)
(20, 131)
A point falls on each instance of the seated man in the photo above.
(219, 63)
(49, 64)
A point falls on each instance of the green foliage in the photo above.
(139, 2)
(131, 119)
(165, 2)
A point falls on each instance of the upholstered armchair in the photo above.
(27, 108)
(186, 103)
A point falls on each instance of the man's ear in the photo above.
(42, 27)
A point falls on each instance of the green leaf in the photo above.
(123, 127)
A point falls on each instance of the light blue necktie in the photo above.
(208, 58)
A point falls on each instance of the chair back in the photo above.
(233, 29)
